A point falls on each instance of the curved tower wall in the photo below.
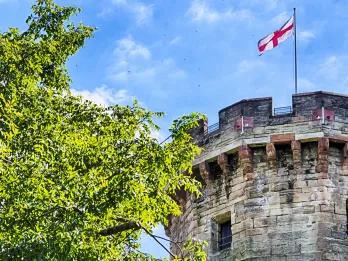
(281, 181)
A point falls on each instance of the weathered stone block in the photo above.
(265, 222)
(326, 208)
(323, 154)
(282, 138)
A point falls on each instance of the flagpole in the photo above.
(295, 45)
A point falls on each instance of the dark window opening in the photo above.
(284, 155)
(225, 235)
(309, 151)
(197, 176)
(336, 153)
(233, 161)
(215, 170)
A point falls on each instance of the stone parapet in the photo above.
(259, 111)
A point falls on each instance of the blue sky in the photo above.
(200, 55)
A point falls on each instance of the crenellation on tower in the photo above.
(260, 109)
(306, 103)
(275, 182)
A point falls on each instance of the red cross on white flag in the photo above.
(272, 40)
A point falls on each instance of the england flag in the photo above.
(274, 39)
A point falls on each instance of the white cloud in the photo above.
(246, 66)
(127, 48)
(331, 67)
(143, 13)
(134, 62)
(265, 4)
(305, 36)
(142, 73)
(329, 73)
(280, 19)
(200, 11)
(158, 135)
(305, 85)
(270, 4)
(105, 96)
(333, 72)
(176, 40)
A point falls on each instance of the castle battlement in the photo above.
(275, 181)
(305, 107)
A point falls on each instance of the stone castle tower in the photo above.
(275, 182)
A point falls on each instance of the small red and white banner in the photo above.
(244, 123)
(274, 39)
(323, 115)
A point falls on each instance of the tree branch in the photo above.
(78, 210)
(177, 243)
(133, 225)
(120, 228)
(165, 139)
(155, 238)
(7, 161)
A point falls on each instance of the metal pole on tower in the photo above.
(295, 45)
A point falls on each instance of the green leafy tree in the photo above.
(78, 181)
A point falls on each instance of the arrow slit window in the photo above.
(225, 235)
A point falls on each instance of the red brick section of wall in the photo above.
(245, 158)
(323, 156)
(223, 163)
(282, 138)
(296, 154)
(204, 171)
(271, 155)
(339, 138)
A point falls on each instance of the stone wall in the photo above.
(284, 187)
